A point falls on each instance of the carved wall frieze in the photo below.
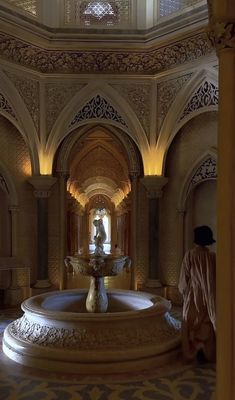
(97, 107)
(6, 107)
(207, 170)
(29, 91)
(138, 96)
(167, 92)
(57, 96)
(146, 62)
(207, 95)
(84, 339)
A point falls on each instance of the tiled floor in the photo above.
(173, 382)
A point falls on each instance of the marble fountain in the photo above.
(95, 331)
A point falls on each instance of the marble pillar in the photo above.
(180, 237)
(134, 212)
(154, 185)
(113, 230)
(42, 185)
(222, 23)
(14, 210)
(62, 180)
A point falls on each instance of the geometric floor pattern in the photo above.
(173, 382)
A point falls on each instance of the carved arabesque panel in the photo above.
(112, 337)
(57, 96)
(167, 92)
(207, 95)
(3, 184)
(29, 91)
(6, 107)
(138, 96)
(99, 108)
(207, 170)
(144, 62)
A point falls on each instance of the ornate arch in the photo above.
(7, 185)
(199, 95)
(13, 108)
(134, 162)
(204, 169)
(99, 104)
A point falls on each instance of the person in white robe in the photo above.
(197, 284)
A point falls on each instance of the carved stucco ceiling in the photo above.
(98, 167)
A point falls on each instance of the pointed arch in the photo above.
(17, 113)
(71, 117)
(8, 185)
(135, 163)
(204, 168)
(184, 107)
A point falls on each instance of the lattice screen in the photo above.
(167, 7)
(30, 6)
(93, 13)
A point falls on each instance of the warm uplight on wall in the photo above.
(153, 162)
(26, 168)
(45, 164)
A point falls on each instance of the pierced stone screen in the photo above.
(93, 13)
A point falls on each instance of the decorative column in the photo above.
(223, 24)
(133, 242)
(62, 178)
(180, 237)
(154, 185)
(42, 185)
(14, 212)
(113, 229)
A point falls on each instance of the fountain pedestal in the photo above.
(98, 266)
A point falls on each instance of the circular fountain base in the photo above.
(56, 333)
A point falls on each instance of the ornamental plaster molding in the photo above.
(58, 96)
(138, 96)
(97, 108)
(83, 339)
(6, 107)
(105, 61)
(206, 95)
(207, 170)
(3, 184)
(29, 91)
(167, 92)
(204, 169)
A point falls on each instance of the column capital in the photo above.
(181, 211)
(134, 175)
(222, 35)
(63, 174)
(42, 185)
(13, 208)
(154, 185)
(222, 24)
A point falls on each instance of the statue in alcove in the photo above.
(100, 236)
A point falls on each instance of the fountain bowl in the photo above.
(57, 333)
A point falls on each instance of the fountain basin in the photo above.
(56, 333)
